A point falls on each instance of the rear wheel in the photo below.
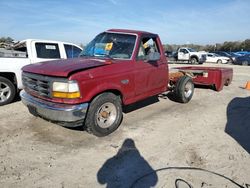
(219, 61)
(104, 115)
(7, 91)
(184, 89)
(245, 63)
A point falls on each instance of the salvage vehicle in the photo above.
(26, 52)
(215, 58)
(190, 55)
(117, 68)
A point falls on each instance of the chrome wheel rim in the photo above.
(188, 89)
(106, 115)
(5, 92)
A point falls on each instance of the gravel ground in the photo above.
(205, 143)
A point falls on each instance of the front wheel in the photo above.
(184, 89)
(193, 60)
(104, 115)
(7, 91)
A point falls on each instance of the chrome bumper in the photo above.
(65, 113)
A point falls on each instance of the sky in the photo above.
(79, 21)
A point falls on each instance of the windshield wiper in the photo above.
(103, 55)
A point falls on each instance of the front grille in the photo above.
(37, 84)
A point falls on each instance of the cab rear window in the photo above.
(47, 50)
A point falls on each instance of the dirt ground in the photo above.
(205, 143)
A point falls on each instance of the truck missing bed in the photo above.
(117, 68)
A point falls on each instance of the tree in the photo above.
(230, 46)
(6, 39)
(246, 45)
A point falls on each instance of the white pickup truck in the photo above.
(26, 52)
(190, 55)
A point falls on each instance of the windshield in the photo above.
(112, 45)
(191, 50)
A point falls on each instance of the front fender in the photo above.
(92, 92)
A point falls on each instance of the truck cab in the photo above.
(38, 50)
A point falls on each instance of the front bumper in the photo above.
(202, 59)
(64, 114)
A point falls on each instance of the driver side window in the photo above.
(184, 51)
(147, 46)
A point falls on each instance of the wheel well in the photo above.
(10, 76)
(116, 92)
(194, 56)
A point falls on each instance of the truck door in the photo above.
(149, 76)
(210, 58)
(183, 54)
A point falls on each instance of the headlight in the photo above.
(68, 90)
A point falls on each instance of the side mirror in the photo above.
(153, 56)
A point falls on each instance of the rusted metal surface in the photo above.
(175, 75)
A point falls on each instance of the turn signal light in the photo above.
(65, 95)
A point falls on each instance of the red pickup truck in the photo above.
(117, 68)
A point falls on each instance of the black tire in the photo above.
(7, 91)
(219, 61)
(193, 60)
(245, 63)
(104, 114)
(184, 89)
(228, 82)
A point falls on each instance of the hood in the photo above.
(198, 53)
(63, 67)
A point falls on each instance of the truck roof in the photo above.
(42, 40)
(130, 31)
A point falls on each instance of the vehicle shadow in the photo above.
(17, 98)
(125, 167)
(140, 104)
(238, 121)
(211, 87)
(168, 95)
